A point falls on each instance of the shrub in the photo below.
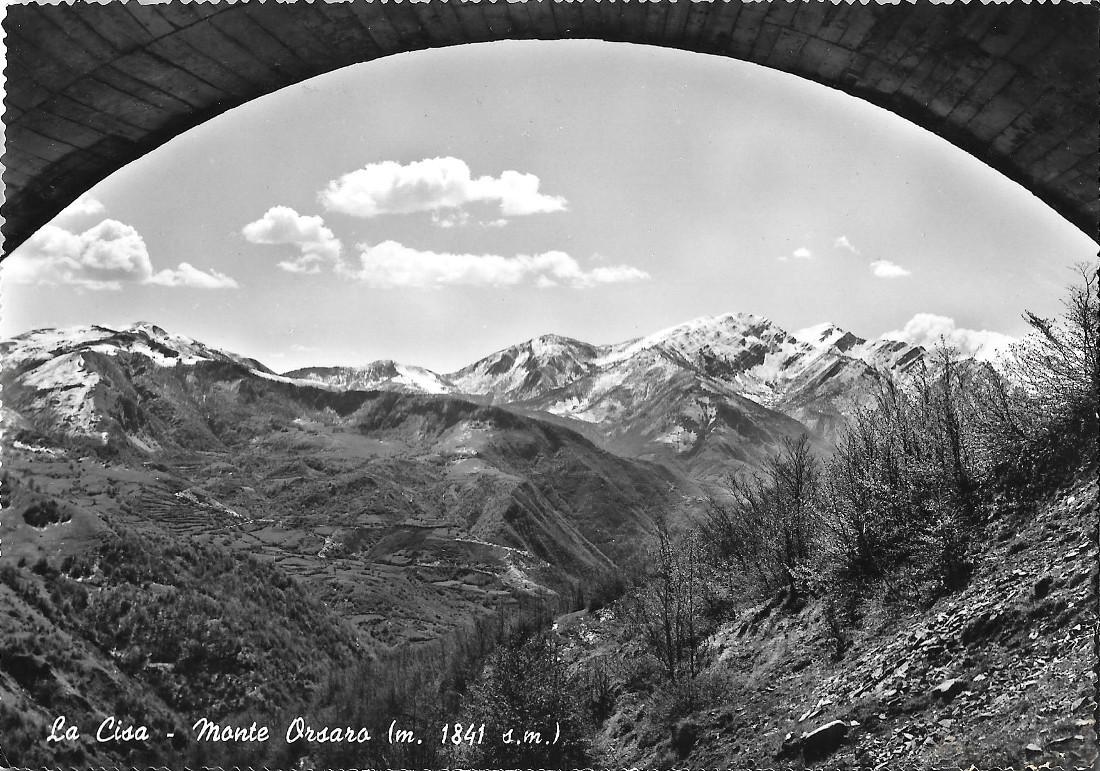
(597, 691)
(902, 494)
(525, 686)
(764, 524)
(1041, 419)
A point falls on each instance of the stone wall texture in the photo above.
(93, 87)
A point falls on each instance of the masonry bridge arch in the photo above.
(93, 87)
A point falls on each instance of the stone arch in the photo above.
(93, 87)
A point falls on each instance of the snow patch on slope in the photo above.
(64, 388)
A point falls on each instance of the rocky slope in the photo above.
(1000, 674)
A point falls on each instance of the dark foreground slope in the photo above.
(1000, 674)
(150, 630)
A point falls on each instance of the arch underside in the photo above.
(93, 87)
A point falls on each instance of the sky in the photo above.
(436, 206)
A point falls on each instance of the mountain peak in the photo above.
(706, 332)
(147, 327)
(528, 368)
(721, 324)
(828, 335)
(382, 374)
(725, 320)
(553, 342)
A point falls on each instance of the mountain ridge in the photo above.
(707, 396)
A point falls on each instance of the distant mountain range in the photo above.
(704, 396)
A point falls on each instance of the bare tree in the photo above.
(668, 608)
(764, 524)
(1058, 365)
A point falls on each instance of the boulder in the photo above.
(948, 689)
(823, 740)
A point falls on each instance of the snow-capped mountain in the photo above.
(740, 353)
(746, 353)
(382, 375)
(883, 353)
(66, 378)
(702, 394)
(528, 369)
(141, 338)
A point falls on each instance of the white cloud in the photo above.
(887, 269)
(103, 257)
(842, 242)
(188, 275)
(801, 253)
(84, 206)
(390, 265)
(879, 268)
(928, 329)
(282, 225)
(433, 184)
(614, 274)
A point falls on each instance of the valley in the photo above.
(187, 529)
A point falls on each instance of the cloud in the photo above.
(390, 265)
(188, 275)
(887, 269)
(282, 225)
(801, 253)
(84, 206)
(879, 268)
(928, 329)
(431, 185)
(842, 242)
(103, 257)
